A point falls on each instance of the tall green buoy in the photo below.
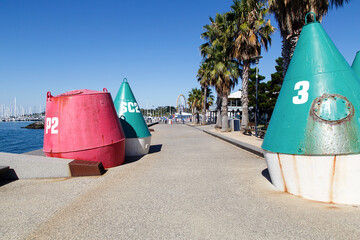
(136, 131)
(356, 64)
(312, 145)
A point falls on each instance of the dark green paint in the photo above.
(132, 120)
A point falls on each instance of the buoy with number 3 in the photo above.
(83, 125)
(356, 64)
(136, 131)
(312, 145)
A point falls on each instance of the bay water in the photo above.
(15, 139)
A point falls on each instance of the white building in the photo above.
(234, 105)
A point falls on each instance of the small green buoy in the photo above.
(136, 131)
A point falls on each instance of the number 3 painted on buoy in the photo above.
(303, 94)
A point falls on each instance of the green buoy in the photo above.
(312, 144)
(356, 64)
(136, 131)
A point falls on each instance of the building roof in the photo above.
(235, 95)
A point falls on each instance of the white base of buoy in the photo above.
(137, 146)
(333, 179)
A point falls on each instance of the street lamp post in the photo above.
(256, 90)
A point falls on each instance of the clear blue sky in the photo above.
(60, 46)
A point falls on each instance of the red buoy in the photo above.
(84, 125)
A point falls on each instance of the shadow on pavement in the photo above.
(4, 182)
(132, 159)
(8, 177)
(155, 148)
(266, 174)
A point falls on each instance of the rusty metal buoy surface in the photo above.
(312, 145)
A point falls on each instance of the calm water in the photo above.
(14, 139)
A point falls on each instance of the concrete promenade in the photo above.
(250, 143)
(191, 186)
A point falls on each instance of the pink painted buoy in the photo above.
(84, 125)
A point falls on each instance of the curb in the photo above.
(248, 147)
(22, 166)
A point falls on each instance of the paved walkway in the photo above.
(255, 141)
(192, 186)
(249, 143)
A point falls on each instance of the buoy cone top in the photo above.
(128, 110)
(318, 106)
(315, 53)
(356, 64)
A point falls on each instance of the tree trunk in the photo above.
(204, 107)
(244, 94)
(288, 48)
(224, 114)
(218, 116)
(193, 116)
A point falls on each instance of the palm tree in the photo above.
(290, 16)
(226, 78)
(205, 79)
(252, 31)
(213, 34)
(224, 70)
(194, 102)
(209, 98)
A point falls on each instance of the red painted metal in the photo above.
(83, 125)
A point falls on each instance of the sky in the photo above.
(65, 45)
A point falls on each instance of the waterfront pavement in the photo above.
(250, 143)
(191, 186)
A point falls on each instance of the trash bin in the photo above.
(236, 125)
